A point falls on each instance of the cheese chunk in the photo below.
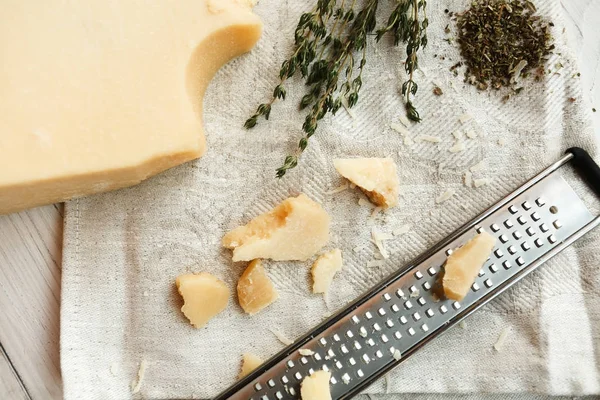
(324, 269)
(376, 177)
(463, 265)
(249, 363)
(204, 296)
(98, 95)
(316, 386)
(255, 289)
(294, 230)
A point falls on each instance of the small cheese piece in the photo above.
(376, 177)
(255, 289)
(249, 363)
(463, 265)
(99, 95)
(429, 138)
(306, 352)
(204, 296)
(457, 147)
(324, 269)
(294, 230)
(137, 385)
(316, 386)
(445, 196)
(281, 337)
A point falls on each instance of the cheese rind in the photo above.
(255, 289)
(464, 264)
(294, 230)
(103, 95)
(204, 296)
(316, 386)
(249, 363)
(376, 177)
(324, 269)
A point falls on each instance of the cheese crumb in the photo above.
(306, 352)
(408, 141)
(404, 120)
(376, 177)
(416, 293)
(401, 230)
(480, 182)
(204, 296)
(375, 211)
(471, 134)
(457, 148)
(364, 203)
(397, 355)
(249, 363)
(388, 383)
(281, 337)
(339, 189)
(445, 196)
(378, 239)
(359, 248)
(362, 332)
(462, 324)
(255, 290)
(464, 264)
(468, 179)
(316, 386)
(501, 142)
(465, 118)
(400, 129)
(346, 379)
(141, 373)
(324, 269)
(294, 230)
(477, 167)
(428, 138)
(458, 135)
(501, 339)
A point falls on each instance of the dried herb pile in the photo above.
(502, 41)
(330, 54)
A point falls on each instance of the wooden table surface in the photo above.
(31, 246)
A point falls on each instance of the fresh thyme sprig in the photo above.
(311, 27)
(405, 25)
(327, 40)
(326, 94)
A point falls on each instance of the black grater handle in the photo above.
(586, 167)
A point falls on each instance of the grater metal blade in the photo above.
(402, 313)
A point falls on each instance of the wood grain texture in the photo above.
(30, 253)
(10, 383)
(30, 258)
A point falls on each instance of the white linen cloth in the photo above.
(123, 250)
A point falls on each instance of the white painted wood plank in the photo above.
(30, 257)
(10, 385)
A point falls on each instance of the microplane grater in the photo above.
(402, 313)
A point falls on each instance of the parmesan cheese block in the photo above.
(324, 269)
(249, 363)
(316, 386)
(204, 296)
(98, 95)
(294, 230)
(376, 177)
(463, 265)
(255, 289)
